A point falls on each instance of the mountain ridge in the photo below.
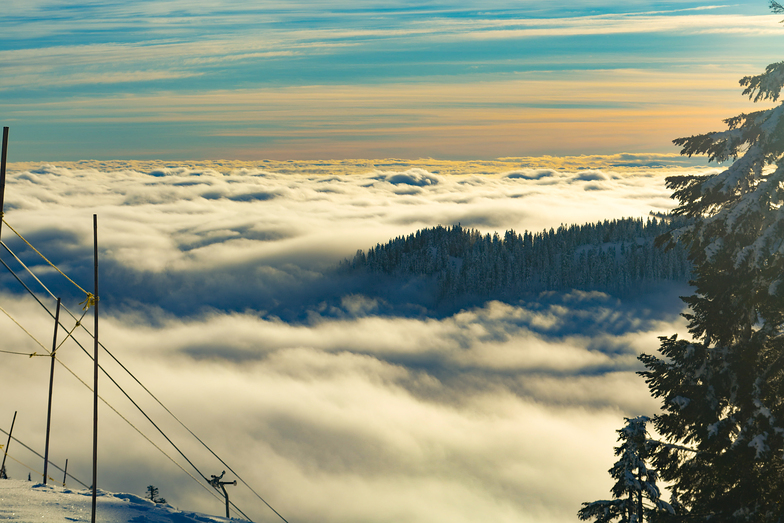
(614, 256)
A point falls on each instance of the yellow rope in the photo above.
(89, 301)
(27, 466)
(21, 354)
(28, 333)
(27, 269)
(89, 295)
(31, 468)
(77, 324)
(137, 429)
(105, 402)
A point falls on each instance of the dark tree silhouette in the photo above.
(723, 391)
(152, 493)
(616, 256)
(634, 479)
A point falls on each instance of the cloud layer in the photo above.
(381, 419)
(451, 79)
(249, 237)
(340, 411)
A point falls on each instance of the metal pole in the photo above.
(3, 475)
(65, 472)
(51, 384)
(226, 495)
(2, 174)
(95, 368)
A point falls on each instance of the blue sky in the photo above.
(248, 80)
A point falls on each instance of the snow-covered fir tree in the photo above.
(635, 481)
(723, 391)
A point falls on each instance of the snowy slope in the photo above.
(26, 501)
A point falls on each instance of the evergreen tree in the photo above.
(723, 392)
(152, 493)
(614, 256)
(634, 480)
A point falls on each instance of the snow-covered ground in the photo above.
(27, 501)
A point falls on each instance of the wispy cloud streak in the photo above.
(298, 67)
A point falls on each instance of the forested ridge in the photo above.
(614, 256)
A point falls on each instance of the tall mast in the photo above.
(51, 386)
(2, 174)
(95, 367)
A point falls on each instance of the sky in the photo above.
(222, 146)
(444, 79)
(219, 292)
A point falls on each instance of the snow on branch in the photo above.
(765, 86)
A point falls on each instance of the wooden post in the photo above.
(3, 474)
(65, 472)
(2, 174)
(95, 368)
(51, 384)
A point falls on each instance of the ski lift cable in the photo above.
(31, 469)
(40, 456)
(34, 338)
(159, 430)
(70, 333)
(126, 420)
(26, 287)
(26, 332)
(113, 381)
(214, 494)
(12, 253)
(151, 422)
(78, 323)
(105, 402)
(90, 300)
(89, 294)
(144, 414)
(102, 399)
(191, 432)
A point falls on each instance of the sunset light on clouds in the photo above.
(241, 156)
(337, 399)
(308, 80)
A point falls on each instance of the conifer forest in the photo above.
(614, 256)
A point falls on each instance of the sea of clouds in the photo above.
(218, 292)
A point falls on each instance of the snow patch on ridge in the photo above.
(27, 501)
